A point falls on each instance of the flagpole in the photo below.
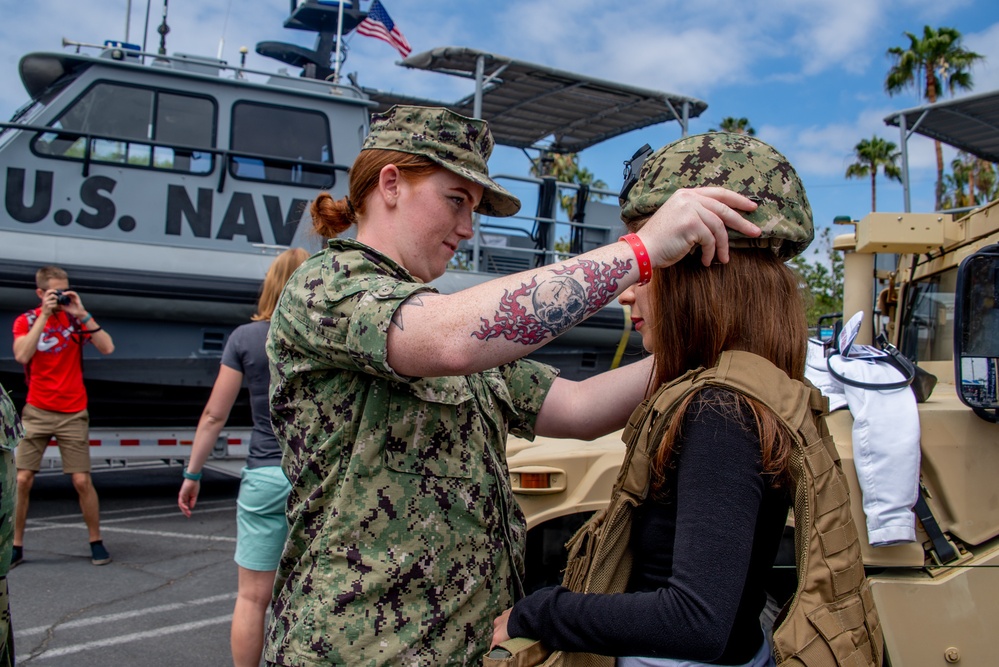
(339, 34)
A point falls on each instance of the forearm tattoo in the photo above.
(534, 311)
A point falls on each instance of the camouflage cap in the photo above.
(737, 162)
(459, 144)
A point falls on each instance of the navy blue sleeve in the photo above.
(719, 491)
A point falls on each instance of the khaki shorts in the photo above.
(70, 429)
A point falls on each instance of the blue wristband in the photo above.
(194, 476)
(87, 318)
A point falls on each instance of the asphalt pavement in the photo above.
(166, 599)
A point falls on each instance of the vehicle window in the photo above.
(139, 127)
(282, 145)
(981, 307)
(929, 318)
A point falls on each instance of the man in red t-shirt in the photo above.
(49, 341)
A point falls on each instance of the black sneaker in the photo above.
(17, 555)
(98, 554)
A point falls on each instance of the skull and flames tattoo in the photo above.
(556, 304)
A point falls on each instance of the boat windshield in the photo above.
(40, 100)
(24, 116)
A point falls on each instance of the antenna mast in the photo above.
(128, 18)
(163, 30)
(339, 36)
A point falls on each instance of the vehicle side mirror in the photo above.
(976, 332)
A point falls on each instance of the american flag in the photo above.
(380, 25)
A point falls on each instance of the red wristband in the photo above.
(642, 255)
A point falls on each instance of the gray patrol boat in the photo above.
(165, 185)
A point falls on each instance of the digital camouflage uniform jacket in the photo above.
(10, 434)
(405, 540)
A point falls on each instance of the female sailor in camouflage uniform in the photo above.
(392, 402)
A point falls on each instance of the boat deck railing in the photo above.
(212, 67)
(140, 154)
(520, 242)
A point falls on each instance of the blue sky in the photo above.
(807, 73)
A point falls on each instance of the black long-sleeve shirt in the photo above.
(701, 556)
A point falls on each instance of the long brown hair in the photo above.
(753, 303)
(277, 275)
(331, 217)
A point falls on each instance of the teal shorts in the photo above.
(261, 521)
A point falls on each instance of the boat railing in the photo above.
(210, 67)
(522, 242)
(199, 160)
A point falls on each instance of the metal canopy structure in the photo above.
(526, 103)
(970, 124)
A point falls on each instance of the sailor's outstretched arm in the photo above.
(596, 406)
(506, 318)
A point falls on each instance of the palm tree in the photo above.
(972, 181)
(954, 185)
(871, 154)
(735, 125)
(932, 64)
(986, 181)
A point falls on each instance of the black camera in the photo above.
(62, 298)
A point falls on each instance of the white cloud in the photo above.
(833, 35)
(986, 43)
(826, 150)
(660, 47)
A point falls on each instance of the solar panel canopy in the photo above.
(527, 104)
(968, 123)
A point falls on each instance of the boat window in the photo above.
(139, 127)
(282, 145)
(928, 321)
(182, 120)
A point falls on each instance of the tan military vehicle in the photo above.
(931, 282)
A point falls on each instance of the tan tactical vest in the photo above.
(831, 621)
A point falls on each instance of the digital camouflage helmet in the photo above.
(735, 161)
